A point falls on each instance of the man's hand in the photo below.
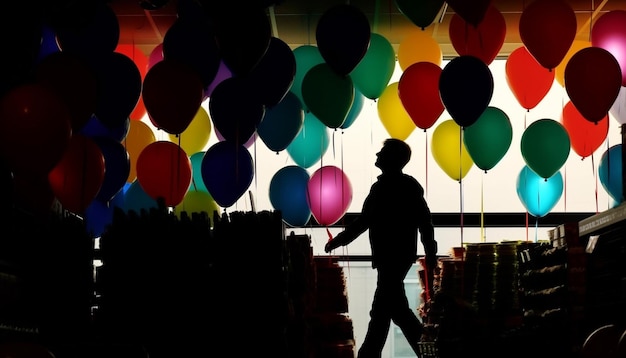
(333, 243)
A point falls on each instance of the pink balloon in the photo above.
(609, 33)
(156, 56)
(329, 194)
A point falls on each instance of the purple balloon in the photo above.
(223, 72)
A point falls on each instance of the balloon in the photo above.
(355, 109)
(241, 49)
(585, 136)
(192, 42)
(421, 13)
(35, 128)
(545, 146)
(328, 95)
(227, 172)
(155, 56)
(235, 111)
(92, 38)
(593, 82)
(99, 215)
(610, 172)
(449, 151)
(78, 176)
(547, 28)
(559, 71)
(418, 90)
(197, 183)
(609, 32)
(222, 73)
(139, 136)
(282, 123)
(329, 194)
(247, 144)
(172, 93)
(142, 61)
(288, 193)
(618, 109)
(196, 136)
(343, 36)
(472, 12)
(164, 171)
(392, 114)
(371, 76)
(489, 138)
(308, 147)
(272, 77)
(136, 199)
(539, 195)
(527, 79)
(483, 41)
(197, 202)
(307, 56)
(32, 193)
(466, 87)
(418, 46)
(49, 43)
(95, 128)
(116, 167)
(74, 81)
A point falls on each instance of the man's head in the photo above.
(394, 155)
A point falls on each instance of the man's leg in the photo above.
(380, 321)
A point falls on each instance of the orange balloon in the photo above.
(138, 137)
(393, 116)
(559, 71)
(419, 46)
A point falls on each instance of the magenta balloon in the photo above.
(156, 55)
(329, 194)
(609, 33)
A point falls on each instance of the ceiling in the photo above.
(294, 21)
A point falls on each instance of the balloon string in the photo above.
(256, 177)
(426, 160)
(536, 229)
(461, 179)
(376, 15)
(526, 225)
(565, 189)
(482, 209)
(595, 176)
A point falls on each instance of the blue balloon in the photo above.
(95, 128)
(539, 195)
(288, 193)
(282, 123)
(311, 142)
(99, 214)
(610, 172)
(48, 43)
(227, 171)
(116, 167)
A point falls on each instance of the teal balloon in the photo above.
(539, 195)
(136, 199)
(197, 183)
(489, 138)
(328, 95)
(610, 172)
(288, 192)
(372, 74)
(281, 123)
(355, 109)
(545, 146)
(307, 56)
(421, 12)
(311, 142)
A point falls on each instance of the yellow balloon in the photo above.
(197, 202)
(419, 46)
(392, 114)
(138, 137)
(449, 150)
(196, 136)
(559, 71)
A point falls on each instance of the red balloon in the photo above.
(609, 32)
(592, 81)
(34, 128)
(528, 80)
(78, 176)
(164, 171)
(418, 90)
(548, 29)
(585, 136)
(172, 93)
(471, 11)
(32, 193)
(483, 41)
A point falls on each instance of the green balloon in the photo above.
(328, 95)
(421, 12)
(545, 146)
(489, 138)
(371, 76)
(311, 142)
(306, 56)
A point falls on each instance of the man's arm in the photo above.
(352, 231)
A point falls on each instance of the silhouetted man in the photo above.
(394, 212)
